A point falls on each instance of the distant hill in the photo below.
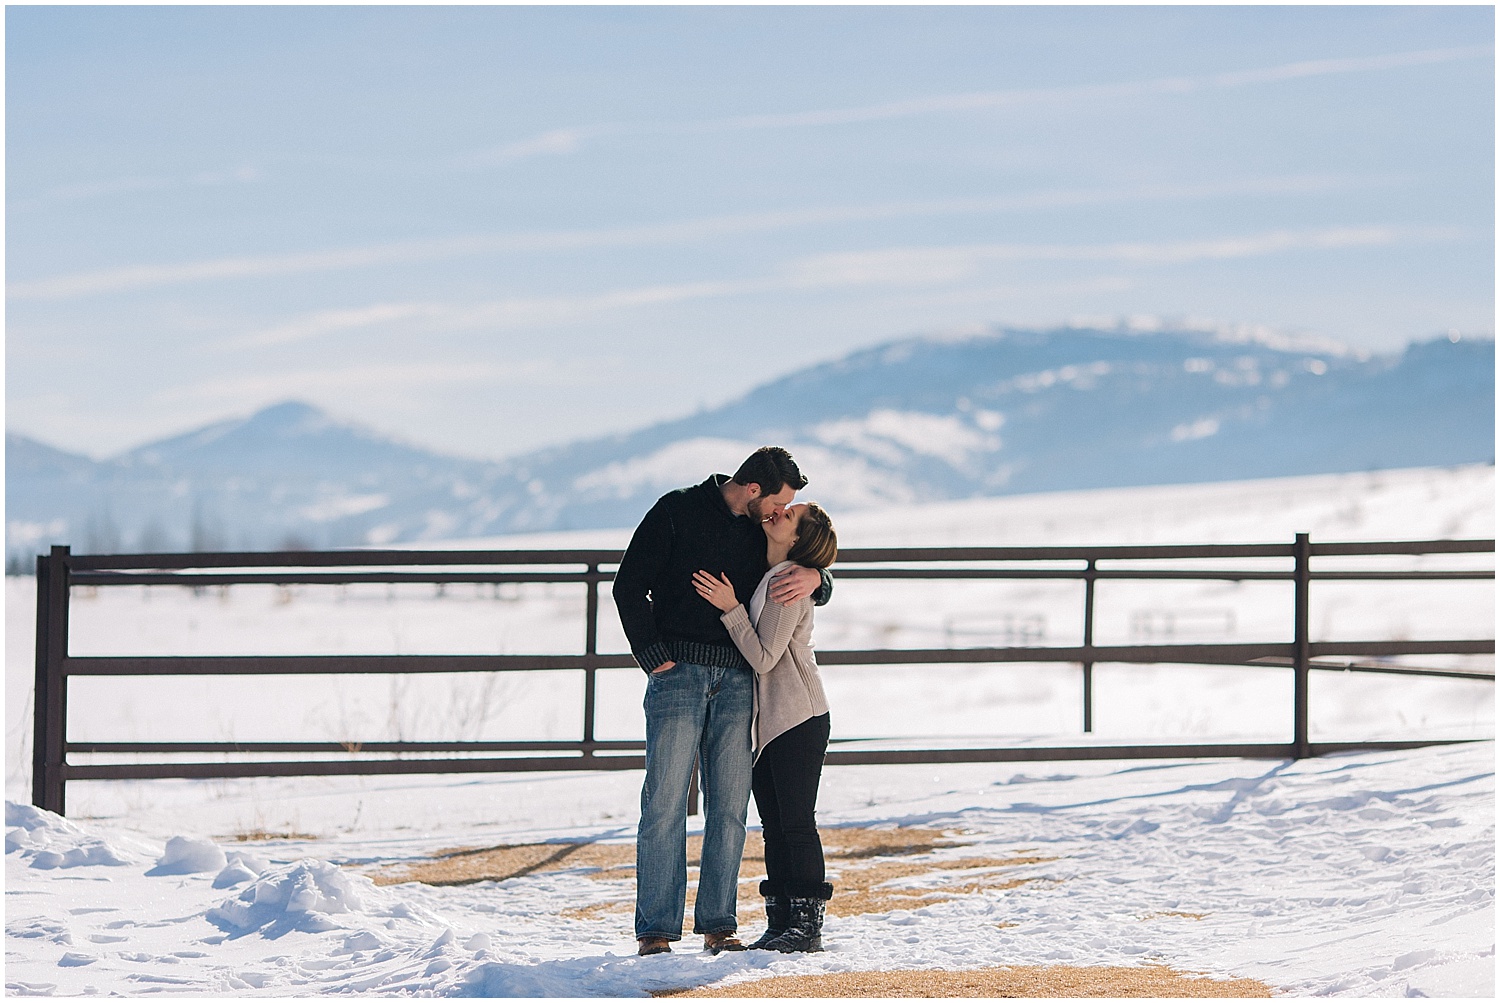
(1006, 412)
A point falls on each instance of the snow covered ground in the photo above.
(1358, 875)
(1367, 874)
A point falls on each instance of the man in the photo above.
(700, 690)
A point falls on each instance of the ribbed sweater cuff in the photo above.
(717, 656)
(697, 652)
(653, 655)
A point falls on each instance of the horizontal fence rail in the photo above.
(61, 571)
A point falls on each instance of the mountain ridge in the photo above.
(1012, 410)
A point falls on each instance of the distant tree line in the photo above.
(101, 534)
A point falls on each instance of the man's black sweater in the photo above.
(688, 530)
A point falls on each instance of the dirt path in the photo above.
(866, 866)
(1152, 981)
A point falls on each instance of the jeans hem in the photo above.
(674, 937)
(732, 928)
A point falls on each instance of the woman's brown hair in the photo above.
(817, 545)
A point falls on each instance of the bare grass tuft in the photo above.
(266, 835)
(468, 865)
(600, 910)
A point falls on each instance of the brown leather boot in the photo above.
(714, 943)
(653, 945)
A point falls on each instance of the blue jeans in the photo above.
(704, 712)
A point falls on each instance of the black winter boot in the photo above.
(778, 912)
(804, 929)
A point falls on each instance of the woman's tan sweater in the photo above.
(788, 690)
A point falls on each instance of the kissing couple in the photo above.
(716, 594)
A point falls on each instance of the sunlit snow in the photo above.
(1367, 874)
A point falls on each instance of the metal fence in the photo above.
(60, 571)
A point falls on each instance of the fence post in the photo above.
(1302, 578)
(1088, 642)
(50, 702)
(590, 657)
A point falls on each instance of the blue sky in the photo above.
(492, 229)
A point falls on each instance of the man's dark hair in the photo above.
(772, 468)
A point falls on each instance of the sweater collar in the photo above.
(713, 487)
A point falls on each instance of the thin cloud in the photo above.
(516, 312)
(149, 276)
(120, 186)
(898, 267)
(554, 142)
(984, 295)
(367, 378)
(323, 322)
(952, 264)
(129, 279)
(1365, 64)
(984, 100)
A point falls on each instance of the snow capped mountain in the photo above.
(1020, 411)
(1006, 411)
(288, 438)
(287, 476)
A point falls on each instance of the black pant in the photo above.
(785, 782)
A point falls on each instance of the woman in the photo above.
(789, 731)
